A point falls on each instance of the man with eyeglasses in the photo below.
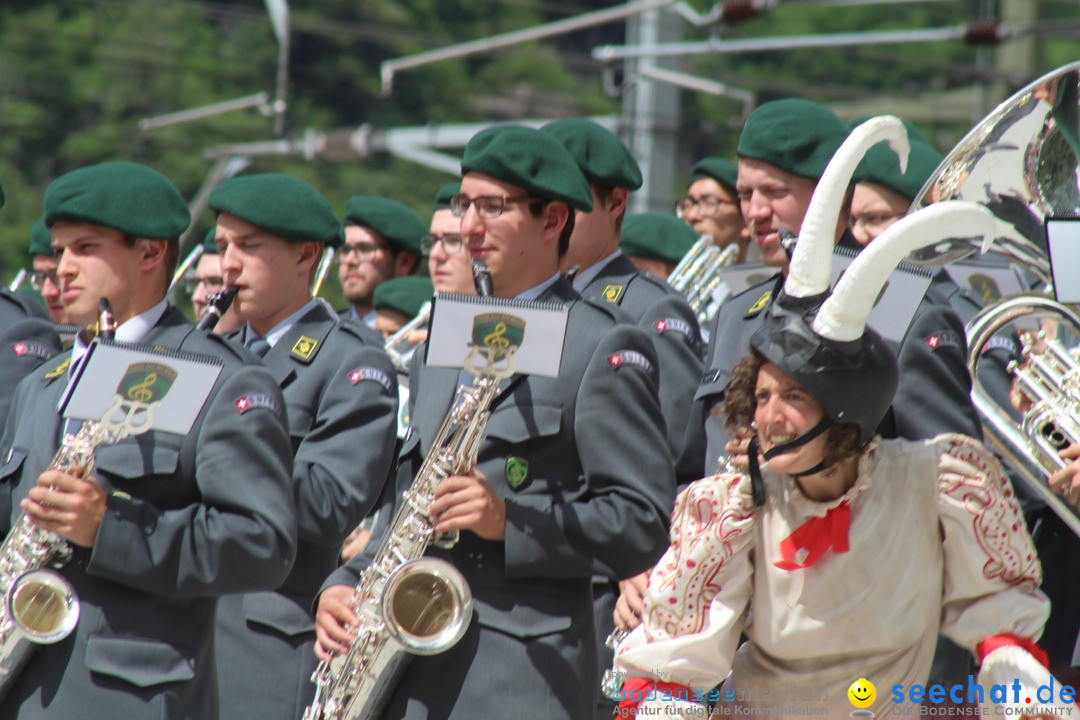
(341, 402)
(711, 205)
(573, 477)
(606, 275)
(43, 276)
(382, 241)
(205, 280)
(448, 259)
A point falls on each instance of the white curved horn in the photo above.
(843, 315)
(810, 272)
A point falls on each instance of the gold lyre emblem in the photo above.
(304, 348)
(612, 293)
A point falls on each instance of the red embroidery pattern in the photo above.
(984, 492)
(712, 521)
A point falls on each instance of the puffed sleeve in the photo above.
(699, 591)
(992, 573)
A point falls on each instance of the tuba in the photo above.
(698, 275)
(1021, 162)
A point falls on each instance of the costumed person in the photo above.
(844, 555)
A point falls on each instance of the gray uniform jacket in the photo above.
(188, 518)
(25, 343)
(594, 499)
(341, 399)
(934, 395)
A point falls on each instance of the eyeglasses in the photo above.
(362, 251)
(488, 207)
(873, 222)
(707, 205)
(213, 283)
(451, 243)
(38, 279)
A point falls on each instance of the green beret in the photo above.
(209, 241)
(40, 238)
(131, 198)
(882, 167)
(722, 171)
(657, 235)
(796, 136)
(282, 205)
(447, 191)
(599, 153)
(914, 132)
(398, 223)
(530, 159)
(406, 294)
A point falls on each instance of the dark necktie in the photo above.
(259, 345)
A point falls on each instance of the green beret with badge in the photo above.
(447, 191)
(396, 222)
(128, 197)
(881, 167)
(40, 239)
(797, 136)
(719, 169)
(599, 153)
(657, 236)
(530, 159)
(405, 294)
(282, 205)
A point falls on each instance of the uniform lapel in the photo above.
(299, 345)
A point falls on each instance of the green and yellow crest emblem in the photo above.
(146, 382)
(985, 287)
(760, 304)
(304, 347)
(498, 332)
(612, 293)
(517, 471)
(59, 369)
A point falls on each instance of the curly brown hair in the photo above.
(740, 402)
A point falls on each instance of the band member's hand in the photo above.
(333, 618)
(68, 505)
(736, 449)
(468, 502)
(1066, 481)
(630, 605)
(355, 543)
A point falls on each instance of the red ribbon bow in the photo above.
(816, 535)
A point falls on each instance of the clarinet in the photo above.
(219, 304)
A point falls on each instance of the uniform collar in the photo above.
(586, 276)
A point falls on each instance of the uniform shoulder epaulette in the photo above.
(610, 311)
(658, 283)
(360, 331)
(23, 305)
(216, 345)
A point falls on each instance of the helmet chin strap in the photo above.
(757, 483)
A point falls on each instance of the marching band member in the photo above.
(573, 475)
(711, 206)
(382, 241)
(448, 259)
(655, 242)
(165, 523)
(43, 278)
(605, 275)
(850, 550)
(398, 300)
(207, 279)
(341, 402)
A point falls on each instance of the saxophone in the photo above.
(408, 603)
(40, 606)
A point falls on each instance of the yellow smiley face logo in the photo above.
(862, 693)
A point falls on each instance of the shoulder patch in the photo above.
(612, 293)
(304, 348)
(675, 325)
(22, 348)
(59, 369)
(253, 401)
(370, 373)
(632, 358)
(760, 304)
(944, 340)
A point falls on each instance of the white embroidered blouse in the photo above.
(937, 544)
